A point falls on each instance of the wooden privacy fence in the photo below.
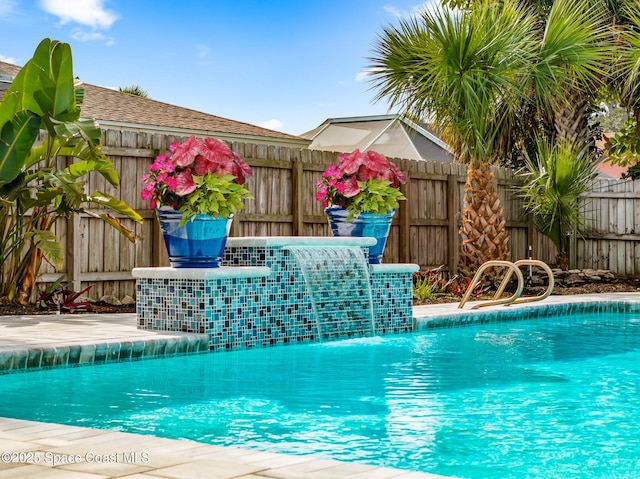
(424, 231)
(610, 237)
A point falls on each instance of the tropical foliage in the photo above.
(553, 182)
(42, 179)
(461, 70)
(134, 90)
(624, 148)
(491, 77)
(430, 285)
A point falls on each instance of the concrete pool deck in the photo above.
(46, 450)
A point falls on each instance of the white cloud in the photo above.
(83, 36)
(7, 59)
(415, 10)
(272, 124)
(362, 76)
(85, 12)
(7, 7)
(391, 10)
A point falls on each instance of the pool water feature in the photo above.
(337, 281)
(546, 397)
(259, 296)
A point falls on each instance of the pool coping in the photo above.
(43, 341)
(181, 458)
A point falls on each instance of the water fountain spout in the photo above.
(337, 280)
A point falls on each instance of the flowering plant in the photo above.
(197, 177)
(361, 183)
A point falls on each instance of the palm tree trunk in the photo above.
(571, 122)
(483, 233)
(27, 280)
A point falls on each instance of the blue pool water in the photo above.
(550, 397)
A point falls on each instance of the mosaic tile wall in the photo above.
(248, 312)
(392, 302)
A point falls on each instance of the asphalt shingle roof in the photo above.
(105, 104)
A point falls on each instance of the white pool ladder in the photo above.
(512, 268)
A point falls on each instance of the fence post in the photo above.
(404, 235)
(157, 242)
(453, 236)
(297, 193)
(73, 252)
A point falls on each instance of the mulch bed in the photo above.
(617, 285)
(12, 309)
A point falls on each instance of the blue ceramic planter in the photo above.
(366, 225)
(197, 244)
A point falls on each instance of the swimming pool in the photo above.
(546, 397)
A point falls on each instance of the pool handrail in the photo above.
(515, 298)
(545, 267)
(495, 301)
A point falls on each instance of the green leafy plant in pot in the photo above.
(195, 188)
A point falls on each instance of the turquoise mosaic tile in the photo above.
(267, 310)
(78, 355)
(526, 313)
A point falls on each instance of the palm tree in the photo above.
(134, 90)
(624, 149)
(572, 68)
(461, 67)
(478, 73)
(553, 183)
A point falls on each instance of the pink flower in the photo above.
(332, 171)
(320, 194)
(376, 162)
(349, 164)
(216, 151)
(146, 194)
(157, 164)
(172, 177)
(186, 152)
(185, 184)
(172, 183)
(202, 166)
(351, 187)
(340, 182)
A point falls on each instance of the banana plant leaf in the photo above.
(51, 248)
(16, 138)
(115, 205)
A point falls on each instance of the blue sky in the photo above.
(283, 64)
